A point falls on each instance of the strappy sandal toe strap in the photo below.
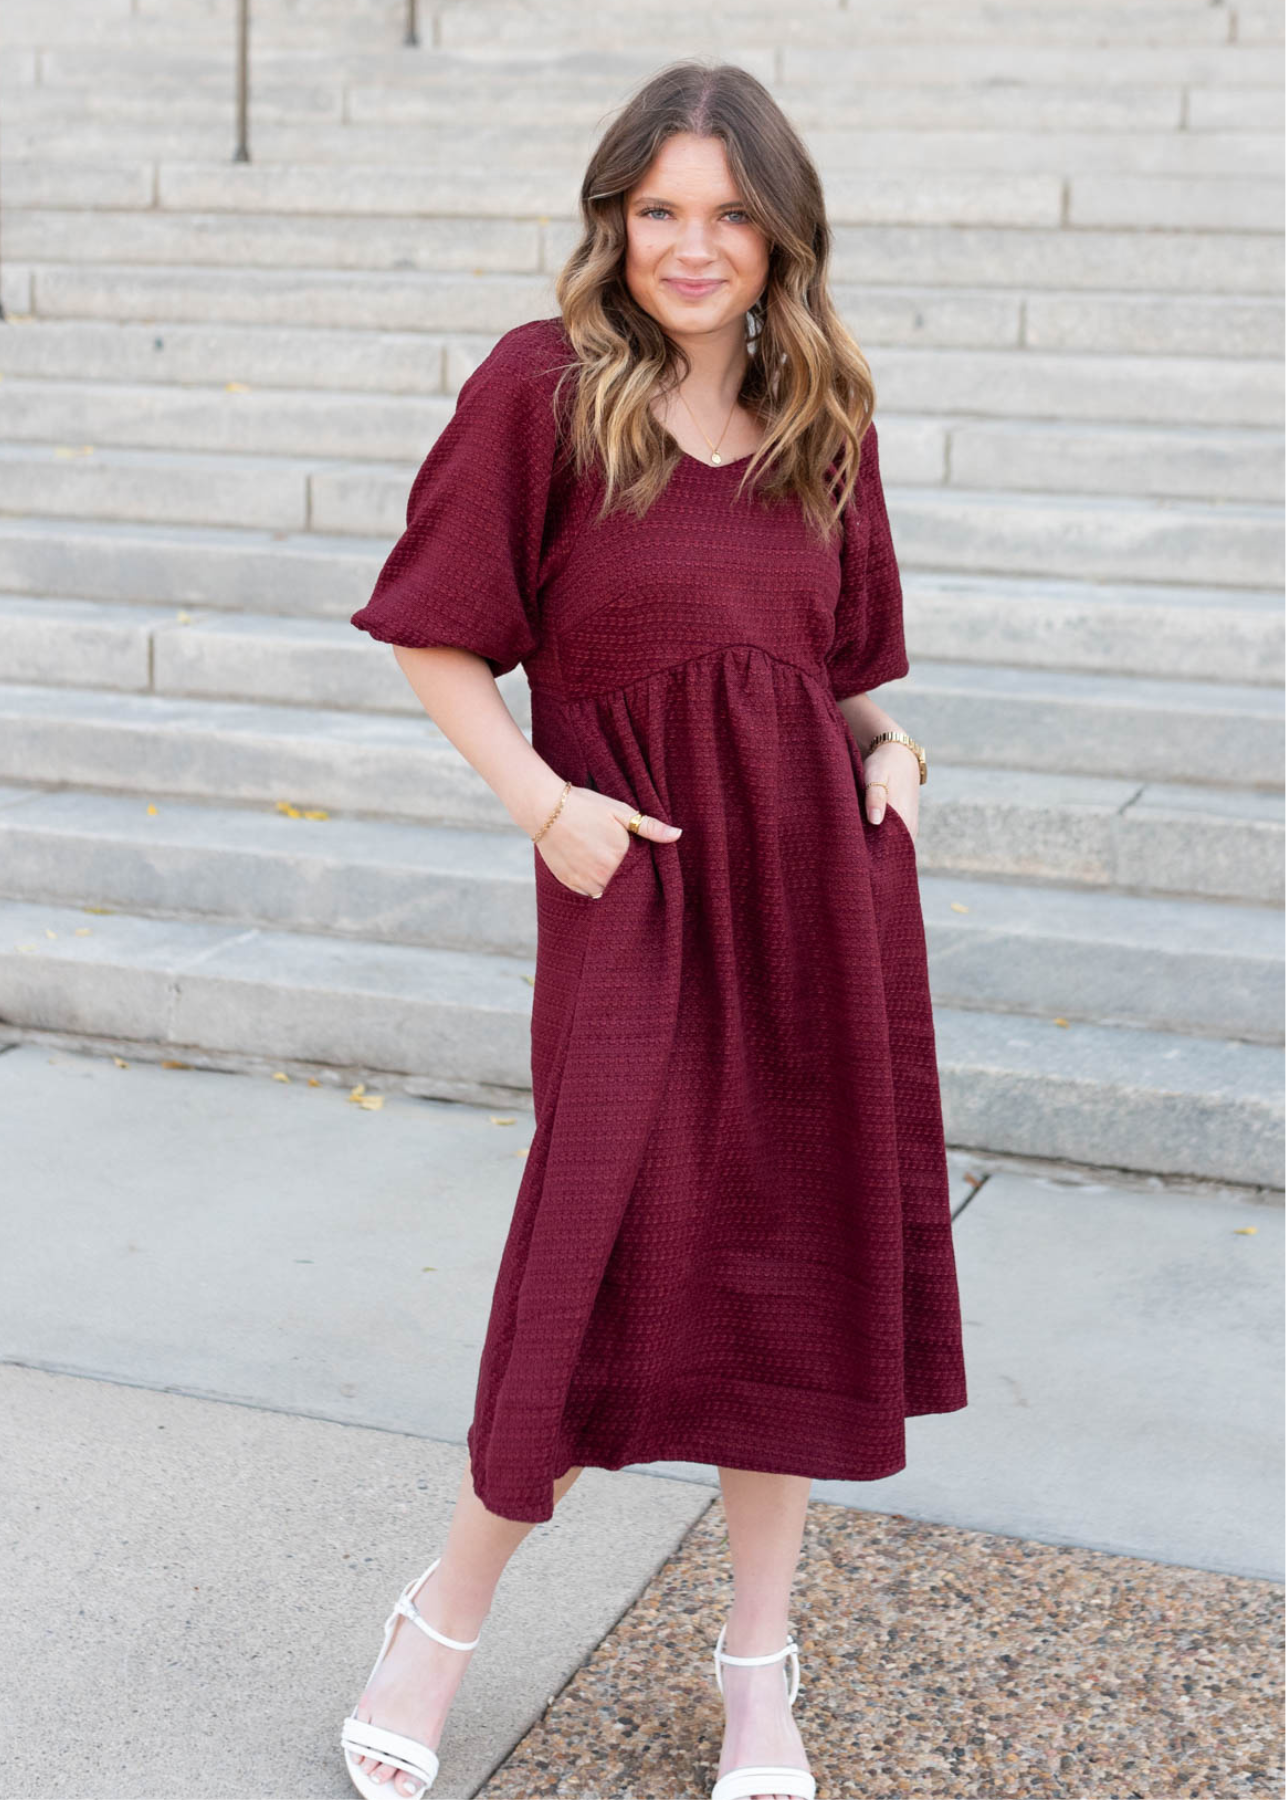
(767, 1778)
(361, 1738)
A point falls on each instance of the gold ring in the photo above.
(635, 819)
(883, 784)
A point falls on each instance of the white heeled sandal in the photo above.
(359, 1737)
(766, 1778)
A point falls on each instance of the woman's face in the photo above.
(693, 258)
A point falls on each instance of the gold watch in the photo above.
(902, 737)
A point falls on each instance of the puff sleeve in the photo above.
(868, 648)
(465, 570)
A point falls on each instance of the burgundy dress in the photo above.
(732, 1239)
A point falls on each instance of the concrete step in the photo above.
(305, 575)
(1095, 104)
(833, 63)
(342, 431)
(85, 480)
(1156, 837)
(446, 887)
(1181, 965)
(1064, 379)
(1195, 634)
(463, 240)
(1093, 537)
(231, 422)
(194, 167)
(1090, 538)
(1121, 1097)
(964, 286)
(154, 745)
(459, 1020)
(1227, 378)
(1020, 718)
(1019, 30)
(1045, 719)
(295, 214)
(1215, 841)
(540, 93)
(1127, 358)
(235, 656)
(455, 1021)
(1211, 636)
(153, 358)
(477, 41)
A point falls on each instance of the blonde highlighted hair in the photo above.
(806, 378)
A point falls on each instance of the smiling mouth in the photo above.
(692, 287)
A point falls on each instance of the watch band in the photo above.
(902, 737)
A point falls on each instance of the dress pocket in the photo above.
(891, 812)
(638, 853)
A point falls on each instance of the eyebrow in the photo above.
(659, 200)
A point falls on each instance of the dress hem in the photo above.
(678, 1452)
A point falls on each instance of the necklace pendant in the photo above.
(715, 456)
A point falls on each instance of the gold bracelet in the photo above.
(567, 788)
(902, 737)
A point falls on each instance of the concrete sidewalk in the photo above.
(243, 1317)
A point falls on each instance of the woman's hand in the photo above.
(898, 767)
(590, 839)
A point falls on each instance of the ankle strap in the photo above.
(751, 1661)
(407, 1607)
(789, 1648)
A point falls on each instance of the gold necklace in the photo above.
(714, 448)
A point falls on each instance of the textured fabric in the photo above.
(732, 1241)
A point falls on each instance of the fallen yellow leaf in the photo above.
(82, 931)
(429, 1269)
(1060, 1021)
(317, 813)
(236, 387)
(357, 1092)
(98, 909)
(280, 1075)
(184, 618)
(291, 812)
(1245, 1230)
(65, 450)
(957, 907)
(497, 1119)
(313, 1081)
(530, 979)
(371, 1102)
(49, 933)
(151, 812)
(173, 1063)
(120, 1062)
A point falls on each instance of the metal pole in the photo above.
(242, 151)
(412, 34)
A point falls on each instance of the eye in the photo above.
(646, 212)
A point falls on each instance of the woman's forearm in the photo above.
(866, 719)
(459, 693)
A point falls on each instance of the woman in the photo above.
(732, 1241)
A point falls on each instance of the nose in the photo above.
(693, 247)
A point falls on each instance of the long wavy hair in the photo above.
(806, 378)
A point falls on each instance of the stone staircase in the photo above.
(1058, 238)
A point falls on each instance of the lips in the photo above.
(693, 289)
